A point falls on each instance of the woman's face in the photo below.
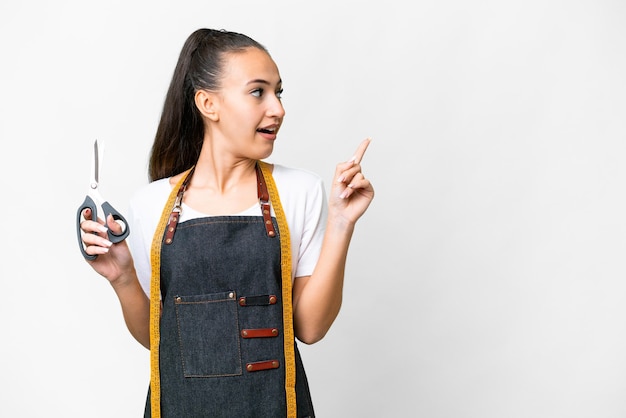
(250, 111)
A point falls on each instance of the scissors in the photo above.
(95, 199)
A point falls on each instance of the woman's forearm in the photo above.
(135, 308)
(318, 298)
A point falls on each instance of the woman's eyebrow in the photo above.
(262, 81)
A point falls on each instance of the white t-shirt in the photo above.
(302, 196)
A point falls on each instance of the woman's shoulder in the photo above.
(298, 187)
(153, 192)
(295, 176)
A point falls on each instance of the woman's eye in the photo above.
(260, 92)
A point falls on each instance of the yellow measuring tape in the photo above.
(155, 296)
(285, 257)
(155, 301)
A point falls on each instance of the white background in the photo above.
(486, 280)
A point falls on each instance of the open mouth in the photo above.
(270, 131)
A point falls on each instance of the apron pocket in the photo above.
(208, 334)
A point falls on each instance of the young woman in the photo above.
(232, 258)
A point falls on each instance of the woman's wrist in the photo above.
(125, 279)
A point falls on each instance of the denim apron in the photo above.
(221, 351)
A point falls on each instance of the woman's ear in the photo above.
(207, 104)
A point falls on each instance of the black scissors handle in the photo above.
(108, 210)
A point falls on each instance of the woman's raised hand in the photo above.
(351, 192)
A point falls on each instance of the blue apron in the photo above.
(221, 339)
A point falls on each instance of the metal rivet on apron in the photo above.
(178, 299)
(231, 295)
(169, 240)
(249, 367)
(272, 300)
(271, 233)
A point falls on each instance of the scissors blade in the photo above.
(96, 163)
(98, 151)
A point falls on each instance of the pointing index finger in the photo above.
(360, 151)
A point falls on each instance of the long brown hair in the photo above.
(180, 132)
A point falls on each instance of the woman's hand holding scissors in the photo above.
(351, 193)
(113, 261)
(95, 239)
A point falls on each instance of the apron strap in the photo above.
(262, 194)
(264, 200)
(167, 226)
(178, 206)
